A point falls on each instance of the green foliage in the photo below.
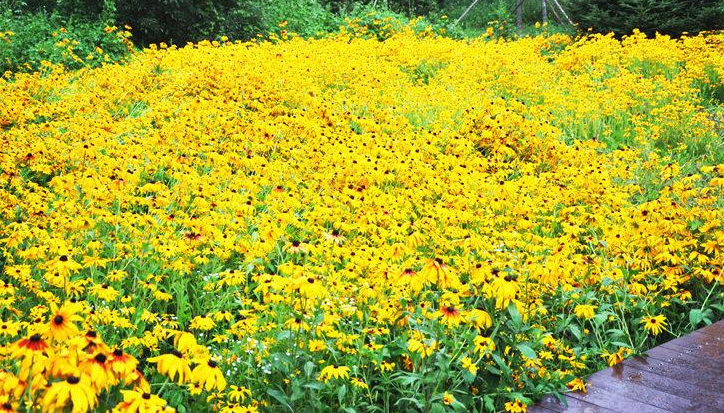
(672, 17)
(172, 21)
(304, 17)
(28, 40)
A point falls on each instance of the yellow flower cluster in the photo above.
(259, 225)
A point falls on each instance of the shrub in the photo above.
(305, 17)
(28, 40)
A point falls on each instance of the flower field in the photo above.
(348, 225)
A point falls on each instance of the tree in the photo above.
(672, 17)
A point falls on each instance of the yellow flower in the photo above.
(139, 402)
(469, 365)
(450, 315)
(174, 365)
(358, 383)
(585, 311)
(334, 372)
(73, 391)
(417, 346)
(437, 272)
(516, 406)
(577, 385)
(484, 345)
(480, 319)
(9, 329)
(62, 322)
(654, 324)
(448, 398)
(239, 393)
(203, 323)
(209, 375)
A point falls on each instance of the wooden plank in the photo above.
(697, 337)
(573, 405)
(695, 394)
(538, 409)
(709, 352)
(715, 329)
(683, 359)
(700, 343)
(702, 378)
(614, 401)
(610, 381)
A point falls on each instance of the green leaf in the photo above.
(575, 331)
(280, 397)
(489, 403)
(341, 392)
(314, 385)
(318, 320)
(695, 317)
(504, 367)
(309, 368)
(437, 408)
(416, 402)
(616, 332)
(409, 379)
(527, 351)
(515, 315)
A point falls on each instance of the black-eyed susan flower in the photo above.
(516, 406)
(468, 364)
(333, 372)
(174, 365)
(62, 322)
(121, 363)
(654, 324)
(209, 375)
(139, 402)
(74, 392)
(584, 311)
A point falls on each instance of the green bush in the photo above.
(304, 17)
(672, 17)
(171, 21)
(28, 40)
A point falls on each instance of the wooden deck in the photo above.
(683, 375)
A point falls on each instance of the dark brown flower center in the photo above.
(101, 358)
(212, 364)
(118, 352)
(146, 396)
(35, 338)
(63, 258)
(58, 320)
(73, 380)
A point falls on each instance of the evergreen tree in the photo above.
(672, 17)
